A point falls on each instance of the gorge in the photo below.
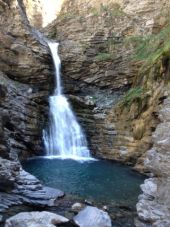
(115, 71)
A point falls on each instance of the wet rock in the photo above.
(105, 208)
(30, 188)
(36, 219)
(93, 217)
(76, 207)
(88, 202)
(26, 189)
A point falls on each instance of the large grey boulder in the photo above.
(35, 219)
(92, 217)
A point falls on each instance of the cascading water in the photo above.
(64, 137)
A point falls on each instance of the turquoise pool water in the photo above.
(102, 181)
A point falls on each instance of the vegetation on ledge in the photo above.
(104, 57)
(134, 94)
(150, 48)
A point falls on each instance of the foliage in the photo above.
(106, 50)
(150, 48)
(95, 12)
(64, 16)
(112, 10)
(104, 57)
(134, 94)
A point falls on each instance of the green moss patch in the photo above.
(104, 57)
(134, 94)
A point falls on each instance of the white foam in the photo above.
(75, 158)
(64, 138)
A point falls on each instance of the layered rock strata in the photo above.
(97, 50)
(96, 58)
(25, 84)
(154, 204)
(19, 188)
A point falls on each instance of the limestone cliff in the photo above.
(98, 42)
(115, 68)
(117, 55)
(25, 80)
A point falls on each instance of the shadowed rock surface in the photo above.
(35, 219)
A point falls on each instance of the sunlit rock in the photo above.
(35, 219)
(93, 217)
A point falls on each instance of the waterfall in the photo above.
(64, 137)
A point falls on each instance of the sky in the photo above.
(50, 10)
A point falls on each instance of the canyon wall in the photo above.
(98, 41)
(115, 71)
(25, 83)
(115, 60)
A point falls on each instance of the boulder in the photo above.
(92, 217)
(76, 207)
(35, 219)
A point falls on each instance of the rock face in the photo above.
(97, 46)
(96, 56)
(8, 172)
(92, 216)
(21, 188)
(97, 41)
(154, 204)
(25, 84)
(38, 219)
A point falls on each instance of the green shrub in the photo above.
(104, 57)
(113, 10)
(134, 94)
(150, 48)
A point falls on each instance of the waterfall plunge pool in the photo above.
(100, 181)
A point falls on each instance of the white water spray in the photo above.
(64, 137)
